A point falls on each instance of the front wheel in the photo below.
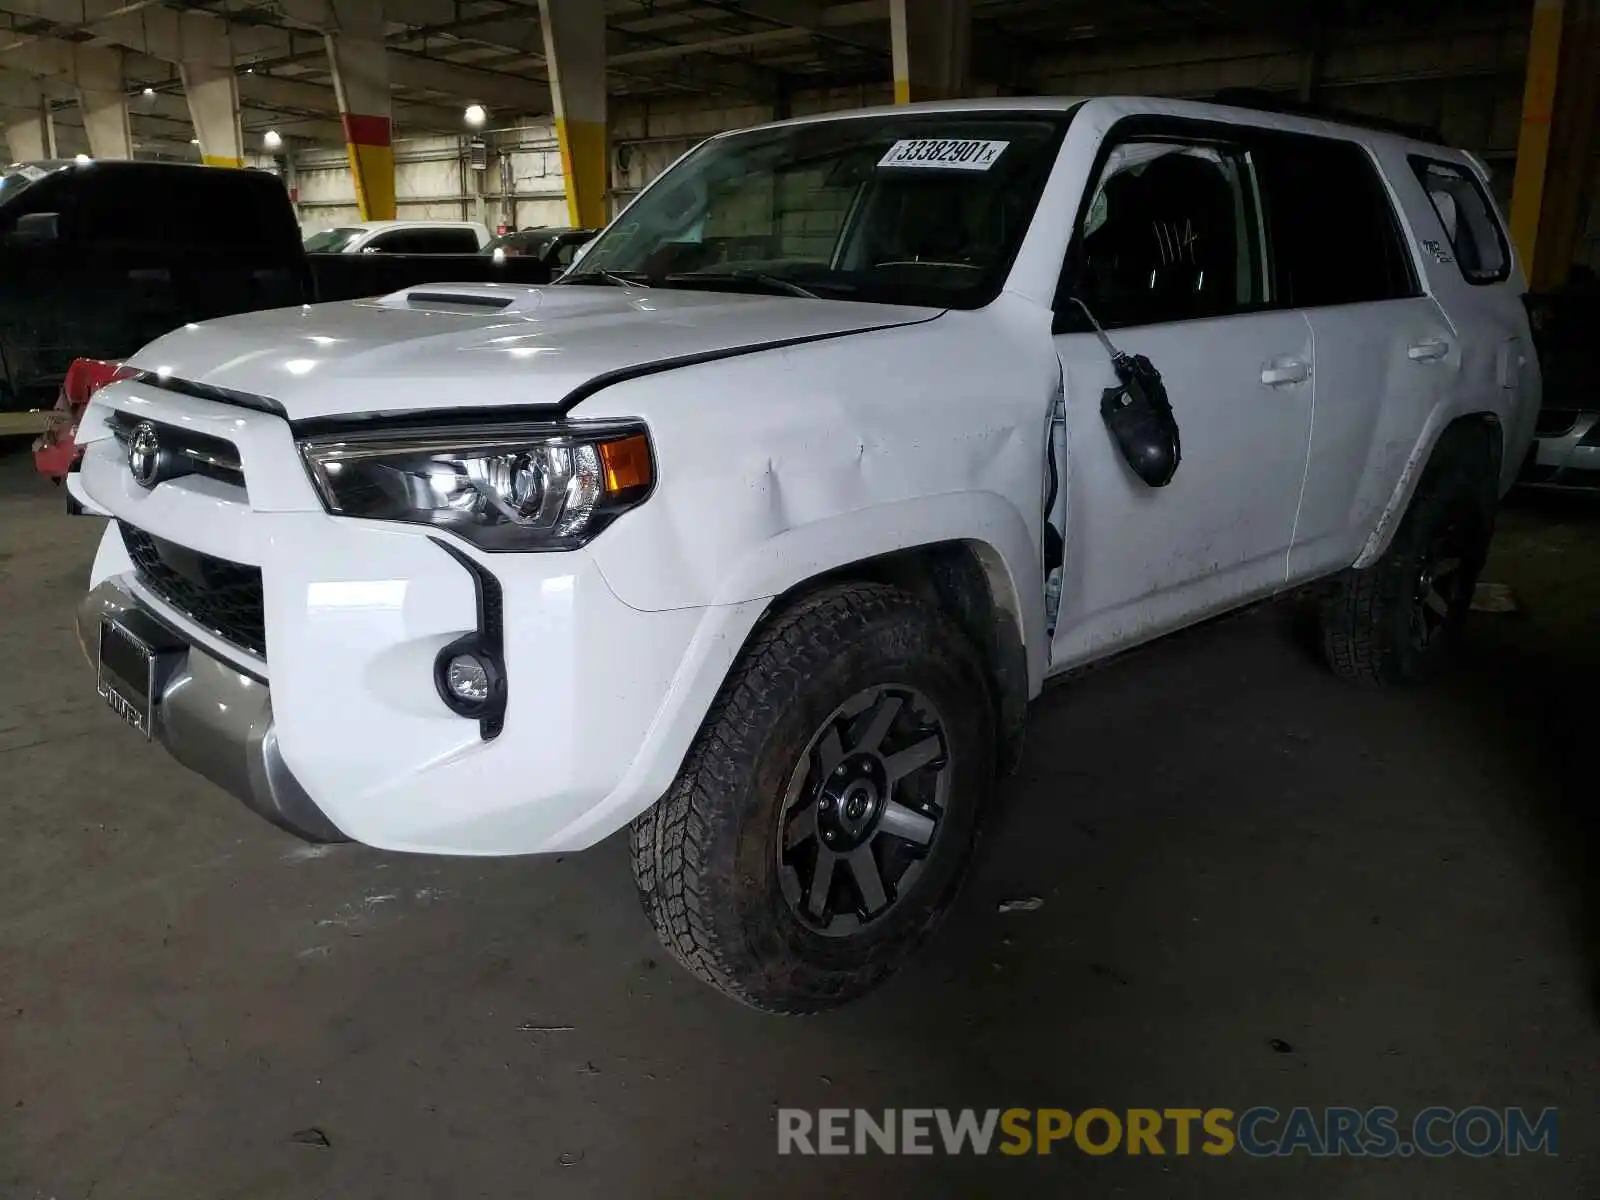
(825, 812)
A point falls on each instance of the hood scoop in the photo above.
(463, 297)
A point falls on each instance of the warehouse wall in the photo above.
(1462, 75)
(521, 186)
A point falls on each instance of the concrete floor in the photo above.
(1399, 887)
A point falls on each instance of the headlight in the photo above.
(508, 487)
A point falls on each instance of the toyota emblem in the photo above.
(144, 455)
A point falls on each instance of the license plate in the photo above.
(127, 675)
(136, 655)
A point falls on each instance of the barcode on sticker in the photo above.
(953, 154)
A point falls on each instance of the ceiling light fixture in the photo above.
(475, 115)
(272, 139)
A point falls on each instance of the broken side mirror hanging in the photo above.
(1138, 413)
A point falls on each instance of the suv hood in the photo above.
(449, 346)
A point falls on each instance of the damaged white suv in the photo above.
(760, 530)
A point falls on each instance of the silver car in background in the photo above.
(1566, 450)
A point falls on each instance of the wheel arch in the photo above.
(968, 581)
(1483, 427)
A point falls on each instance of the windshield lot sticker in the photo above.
(946, 154)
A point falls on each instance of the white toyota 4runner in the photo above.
(760, 530)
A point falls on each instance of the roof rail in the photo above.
(1266, 101)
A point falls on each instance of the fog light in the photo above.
(468, 679)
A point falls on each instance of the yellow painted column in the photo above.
(930, 41)
(369, 143)
(575, 54)
(1555, 148)
(361, 83)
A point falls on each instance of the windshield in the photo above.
(331, 241)
(925, 209)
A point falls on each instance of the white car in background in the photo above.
(760, 529)
(401, 237)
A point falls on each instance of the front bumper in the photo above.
(602, 699)
(217, 721)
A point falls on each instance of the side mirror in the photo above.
(37, 229)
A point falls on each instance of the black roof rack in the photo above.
(1265, 101)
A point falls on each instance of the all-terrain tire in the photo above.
(705, 856)
(1387, 624)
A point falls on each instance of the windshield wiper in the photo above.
(775, 283)
(627, 279)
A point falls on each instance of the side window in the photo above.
(1468, 217)
(425, 241)
(1171, 232)
(1335, 238)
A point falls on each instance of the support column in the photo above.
(1556, 147)
(27, 138)
(103, 99)
(931, 41)
(575, 55)
(212, 90)
(361, 83)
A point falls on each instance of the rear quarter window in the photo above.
(1467, 217)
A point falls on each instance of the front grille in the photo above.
(224, 597)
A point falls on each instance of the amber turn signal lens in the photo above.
(626, 463)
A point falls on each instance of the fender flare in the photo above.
(1008, 549)
(1440, 422)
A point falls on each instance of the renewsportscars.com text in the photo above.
(1436, 1132)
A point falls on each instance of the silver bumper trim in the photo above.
(216, 720)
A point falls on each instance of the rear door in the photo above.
(1385, 351)
(1170, 255)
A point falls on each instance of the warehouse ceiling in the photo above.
(445, 53)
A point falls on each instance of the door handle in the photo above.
(1285, 370)
(1428, 350)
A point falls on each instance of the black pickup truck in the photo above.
(98, 258)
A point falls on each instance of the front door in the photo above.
(1171, 260)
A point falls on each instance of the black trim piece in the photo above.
(428, 417)
(490, 634)
(468, 300)
(206, 391)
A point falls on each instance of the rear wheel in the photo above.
(1397, 621)
(827, 809)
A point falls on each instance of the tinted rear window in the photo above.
(1333, 231)
(245, 214)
